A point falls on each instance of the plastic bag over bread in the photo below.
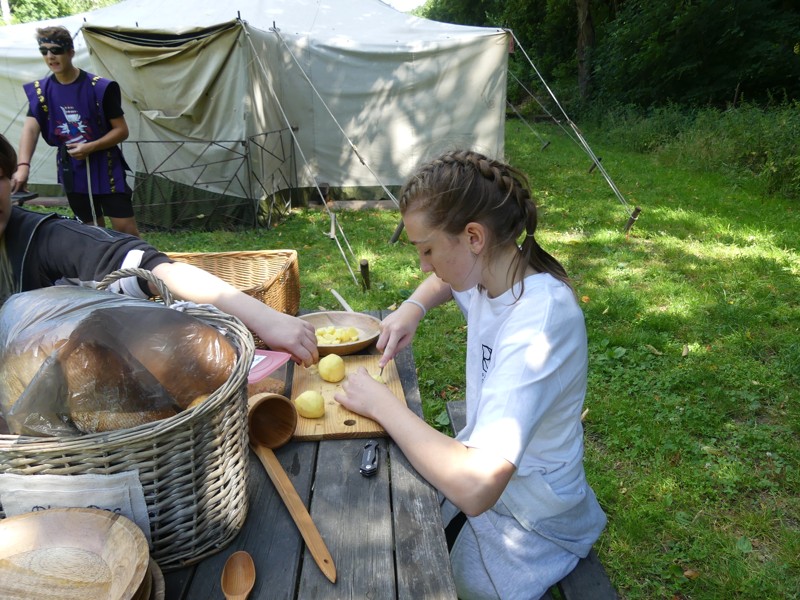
(75, 360)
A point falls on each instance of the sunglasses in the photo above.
(54, 50)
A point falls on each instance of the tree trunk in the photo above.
(6, 12)
(585, 45)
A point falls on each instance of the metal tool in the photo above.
(342, 301)
(369, 459)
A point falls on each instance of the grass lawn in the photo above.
(692, 431)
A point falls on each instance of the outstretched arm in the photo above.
(278, 330)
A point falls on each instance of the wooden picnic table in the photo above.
(384, 532)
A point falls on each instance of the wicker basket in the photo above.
(193, 466)
(271, 276)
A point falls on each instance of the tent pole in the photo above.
(581, 140)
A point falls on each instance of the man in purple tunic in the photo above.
(80, 114)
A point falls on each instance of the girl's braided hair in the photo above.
(463, 186)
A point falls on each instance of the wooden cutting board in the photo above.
(338, 422)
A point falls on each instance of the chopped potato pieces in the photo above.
(336, 335)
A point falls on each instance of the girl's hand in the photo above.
(397, 331)
(364, 395)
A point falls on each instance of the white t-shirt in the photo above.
(526, 374)
(526, 382)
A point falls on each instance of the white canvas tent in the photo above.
(215, 94)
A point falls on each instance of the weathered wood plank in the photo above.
(353, 514)
(457, 411)
(384, 532)
(423, 563)
(177, 582)
(588, 580)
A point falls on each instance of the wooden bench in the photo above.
(589, 580)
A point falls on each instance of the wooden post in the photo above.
(365, 273)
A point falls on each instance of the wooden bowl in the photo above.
(369, 328)
(66, 553)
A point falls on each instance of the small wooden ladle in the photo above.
(271, 421)
(238, 576)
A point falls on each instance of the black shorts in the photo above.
(118, 205)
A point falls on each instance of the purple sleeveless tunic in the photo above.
(73, 113)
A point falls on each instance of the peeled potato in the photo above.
(331, 368)
(331, 335)
(310, 404)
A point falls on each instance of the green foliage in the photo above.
(474, 12)
(709, 51)
(25, 11)
(705, 52)
(743, 141)
(692, 424)
(641, 130)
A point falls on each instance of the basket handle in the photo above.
(163, 290)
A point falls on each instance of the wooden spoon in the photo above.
(271, 421)
(238, 576)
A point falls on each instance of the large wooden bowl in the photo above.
(368, 330)
(72, 553)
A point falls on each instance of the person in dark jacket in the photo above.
(39, 250)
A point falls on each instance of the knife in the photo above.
(369, 459)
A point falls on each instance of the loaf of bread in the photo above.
(120, 364)
(106, 390)
(187, 357)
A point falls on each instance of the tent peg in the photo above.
(545, 145)
(595, 163)
(632, 219)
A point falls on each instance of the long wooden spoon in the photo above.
(238, 576)
(271, 420)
